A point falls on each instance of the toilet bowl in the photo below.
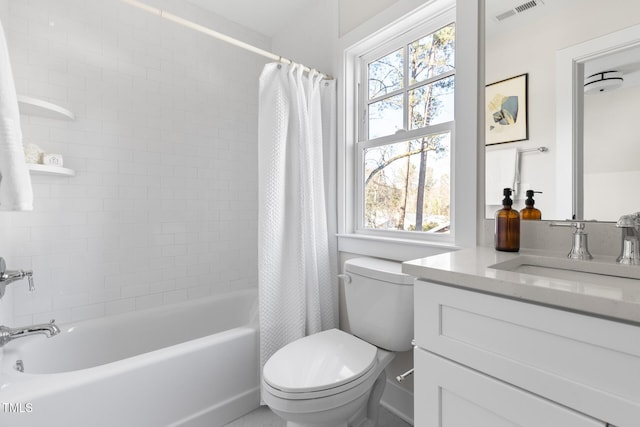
(323, 379)
(334, 378)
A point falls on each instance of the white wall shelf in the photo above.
(50, 170)
(38, 107)
(41, 108)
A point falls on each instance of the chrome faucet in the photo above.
(9, 276)
(9, 334)
(630, 250)
(579, 248)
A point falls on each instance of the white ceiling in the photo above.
(494, 8)
(263, 16)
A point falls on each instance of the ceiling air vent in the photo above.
(526, 6)
(519, 9)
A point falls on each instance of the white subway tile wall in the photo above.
(164, 204)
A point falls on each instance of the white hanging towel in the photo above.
(500, 171)
(16, 193)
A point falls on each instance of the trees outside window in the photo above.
(407, 134)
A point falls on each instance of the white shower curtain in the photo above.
(297, 268)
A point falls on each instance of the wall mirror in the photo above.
(581, 150)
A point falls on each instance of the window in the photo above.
(405, 134)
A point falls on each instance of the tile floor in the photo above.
(263, 417)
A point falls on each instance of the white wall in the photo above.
(611, 153)
(356, 12)
(163, 207)
(311, 38)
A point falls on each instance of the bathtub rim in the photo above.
(10, 376)
(20, 384)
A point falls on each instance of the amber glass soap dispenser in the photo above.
(507, 225)
(529, 212)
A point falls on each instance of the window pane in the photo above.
(385, 117)
(431, 104)
(386, 74)
(432, 55)
(407, 185)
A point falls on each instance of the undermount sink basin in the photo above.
(592, 272)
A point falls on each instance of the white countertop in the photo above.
(470, 268)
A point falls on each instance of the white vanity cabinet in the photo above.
(452, 395)
(483, 360)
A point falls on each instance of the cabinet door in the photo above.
(582, 362)
(450, 395)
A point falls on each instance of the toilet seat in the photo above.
(319, 365)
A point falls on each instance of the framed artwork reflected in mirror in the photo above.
(506, 110)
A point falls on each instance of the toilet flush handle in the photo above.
(402, 377)
(345, 277)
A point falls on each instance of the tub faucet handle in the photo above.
(9, 276)
(32, 286)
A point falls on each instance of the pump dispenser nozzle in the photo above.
(530, 194)
(507, 192)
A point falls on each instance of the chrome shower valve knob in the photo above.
(9, 276)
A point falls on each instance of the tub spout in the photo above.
(9, 334)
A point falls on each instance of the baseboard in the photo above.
(225, 412)
(398, 401)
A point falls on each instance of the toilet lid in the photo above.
(318, 362)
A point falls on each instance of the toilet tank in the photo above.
(379, 302)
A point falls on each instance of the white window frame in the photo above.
(468, 149)
(361, 127)
(361, 75)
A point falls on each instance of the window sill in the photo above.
(391, 248)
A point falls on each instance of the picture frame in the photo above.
(506, 110)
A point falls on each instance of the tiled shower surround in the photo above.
(164, 204)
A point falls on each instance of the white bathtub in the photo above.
(189, 364)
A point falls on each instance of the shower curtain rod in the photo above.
(225, 38)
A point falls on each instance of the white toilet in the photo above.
(333, 378)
